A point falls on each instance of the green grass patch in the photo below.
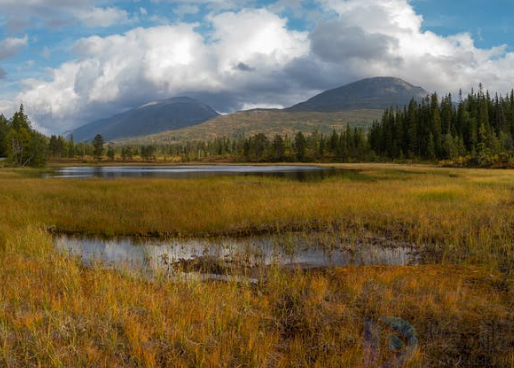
(439, 196)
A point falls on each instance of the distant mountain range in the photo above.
(153, 117)
(181, 118)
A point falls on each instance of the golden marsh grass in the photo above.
(55, 312)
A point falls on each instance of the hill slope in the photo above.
(371, 93)
(269, 122)
(154, 117)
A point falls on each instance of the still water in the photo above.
(287, 250)
(300, 173)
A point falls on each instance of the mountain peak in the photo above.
(152, 117)
(385, 84)
(369, 93)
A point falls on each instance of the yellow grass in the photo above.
(54, 312)
(467, 211)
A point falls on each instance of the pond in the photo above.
(291, 250)
(299, 173)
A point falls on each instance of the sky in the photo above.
(74, 61)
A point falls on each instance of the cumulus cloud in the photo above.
(3, 73)
(336, 41)
(422, 57)
(255, 37)
(244, 67)
(120, 71)
(251, 57)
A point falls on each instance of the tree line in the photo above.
(20, 143)
(475, 131)
(347, 145)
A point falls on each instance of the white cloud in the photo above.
(382, 16)
(213, 5)
(282, 5)
(250, 57)
(256, 38)
(438, 63)
(186, 9)
(9, 47)
(102, 17)
(250, 106)
(32, 3)
(118, 71)
(24, 14)
(57, 99)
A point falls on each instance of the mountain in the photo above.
(357, 104)
(151, 118)
(267, 121)
(371, 93)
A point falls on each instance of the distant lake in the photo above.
(299, 173)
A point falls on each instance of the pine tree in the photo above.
(4, 129)
(300, 146)
(412, 129)
(333, 142)
(98, 146)
(278, 149)
(21, 144)
(110, 151)
(436, 130)
(71, 147)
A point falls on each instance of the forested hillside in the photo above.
(479, 127)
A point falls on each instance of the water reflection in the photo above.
(291, 250)
(299, 173)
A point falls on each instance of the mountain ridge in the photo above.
(368, 93)
(150, 118)
(374, 95)
(357, 104)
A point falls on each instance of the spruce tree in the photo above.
(98, 146)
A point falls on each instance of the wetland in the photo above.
(312, 259)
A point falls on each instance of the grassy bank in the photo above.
(457, 214)
(57, 313)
